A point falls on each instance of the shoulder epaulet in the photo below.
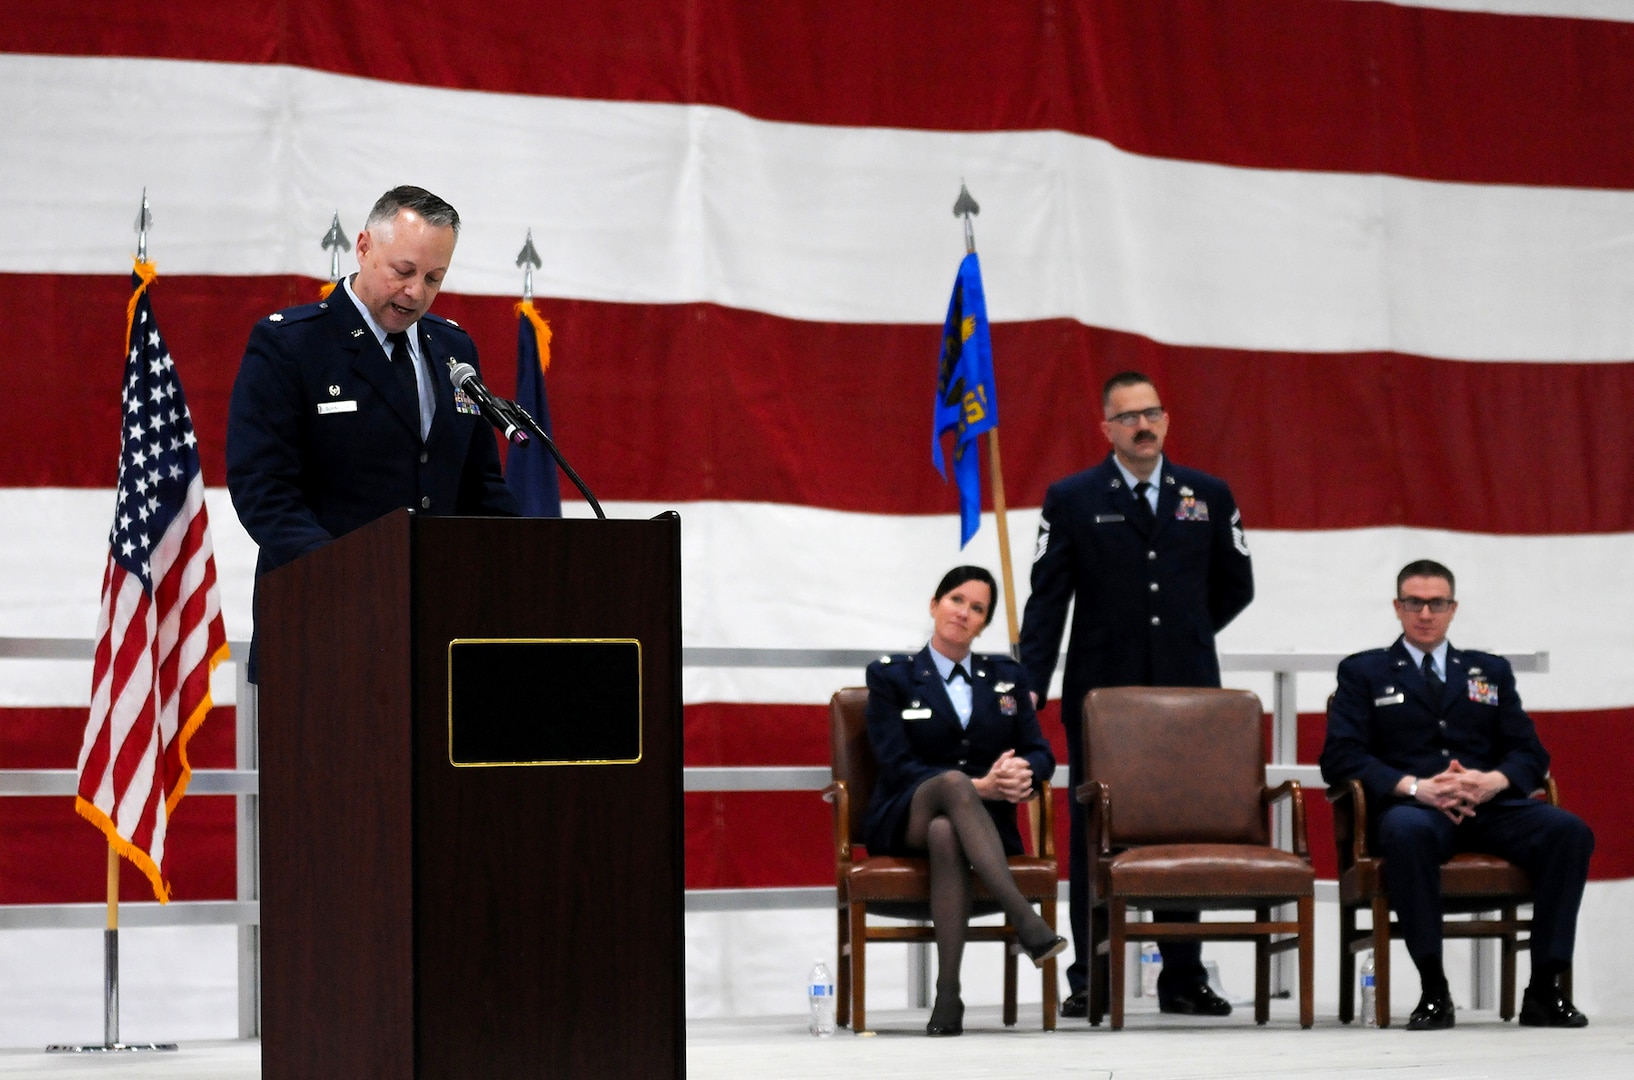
(297, 314)
(439, 320)
(895, 658)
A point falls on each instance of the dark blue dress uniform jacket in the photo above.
(1382, 724)
(1147, 600)
(911, 748)
(300, 477)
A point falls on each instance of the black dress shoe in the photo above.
(1041, 952)
(1434, 1012)
(1076, 1005)
(1199, 999)
(946, 1019)
(1550, 1008)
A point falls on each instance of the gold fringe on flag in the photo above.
(185, 735)
(139, 858)
(147, 272)
(541, 332)
(327, 288)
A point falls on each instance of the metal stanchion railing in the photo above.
(243, 783)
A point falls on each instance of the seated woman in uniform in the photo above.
(958, 745)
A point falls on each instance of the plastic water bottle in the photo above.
(820, 996)
(1151, 963)
(1370, 1017)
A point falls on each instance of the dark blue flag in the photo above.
(531, 470)
(966, 396)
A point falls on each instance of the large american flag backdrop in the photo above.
(1379, 257)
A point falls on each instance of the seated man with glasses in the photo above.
(1448, 759)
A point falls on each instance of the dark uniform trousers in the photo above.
(1550, 844)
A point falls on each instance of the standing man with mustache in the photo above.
(1156, 558)
(343, 410)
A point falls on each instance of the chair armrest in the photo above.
(1349, 822)
(1291, 790)
(1550, 791)
(1098, 797)
(1043, 820)
(838, 794)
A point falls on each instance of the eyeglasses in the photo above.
(1130, 419)
(1439, 606)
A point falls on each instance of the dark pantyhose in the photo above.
(948, 820)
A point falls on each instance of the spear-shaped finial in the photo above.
(528, 260)
(335, 242)
(964, 207)
(144, 221)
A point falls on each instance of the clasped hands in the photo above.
(1457, 791)
(1010, 778)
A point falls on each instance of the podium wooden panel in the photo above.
(427, 921)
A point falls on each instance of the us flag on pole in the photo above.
(160, 632)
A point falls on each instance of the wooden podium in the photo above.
(471, 840)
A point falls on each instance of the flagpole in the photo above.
(110, 936)
(110, 956)
(965, 207)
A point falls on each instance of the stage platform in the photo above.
(1150, 1047)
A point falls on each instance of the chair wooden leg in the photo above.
(1262, 970)
(1100, 979)
(1051, 1007)
(1117, 913)
(859, 970)
(1381, 961)
(1347, 963)
(1011, 948)
(1506, 968)
(1307, 961)
(842, 968)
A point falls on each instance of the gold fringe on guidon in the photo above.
(541, 332)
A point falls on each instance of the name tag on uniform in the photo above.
(916, 714)
(1389, 699)
(1107, 519)
(327, 407)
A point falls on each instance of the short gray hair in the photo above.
(435, 211)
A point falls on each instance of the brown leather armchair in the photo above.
(1471, 884)
(1179, 819)
(899, 888)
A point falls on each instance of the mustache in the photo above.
(1146, 436)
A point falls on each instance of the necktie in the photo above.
(958, 672)
(1143, 507)
(1431, 679)
(402, 366)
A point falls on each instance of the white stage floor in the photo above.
(1150, 1047)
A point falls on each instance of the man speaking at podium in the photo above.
(343, 410)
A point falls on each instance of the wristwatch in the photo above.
(1412, 792)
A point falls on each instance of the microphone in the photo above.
(496, 410)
